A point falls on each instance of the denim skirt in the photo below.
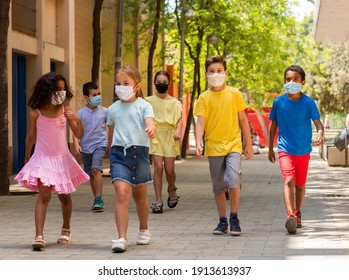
(131, 165)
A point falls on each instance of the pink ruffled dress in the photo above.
(52, 161)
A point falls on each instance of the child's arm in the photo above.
(78, 149)
(272, 132)
(199, 133)
(150, 128)
(110, 135)
(31, 134)
(178, 132)
(320, 132)
(74, 122)
(245, 126)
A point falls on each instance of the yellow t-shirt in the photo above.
(166, 113)
(220, 110)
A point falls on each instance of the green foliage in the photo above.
(259, 38)
(329, 79)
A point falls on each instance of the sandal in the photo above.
(64, 239)
(157, 207)
(172, 201)
(39, 243)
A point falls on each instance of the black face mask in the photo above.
(161, 88)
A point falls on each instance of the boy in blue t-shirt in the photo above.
(94, 142)
(291, 115)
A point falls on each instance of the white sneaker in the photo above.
(143, 237)
(119, 245)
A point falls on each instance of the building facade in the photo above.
(56, 35)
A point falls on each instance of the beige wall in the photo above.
(64, 35)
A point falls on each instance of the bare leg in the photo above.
(234, 199)
(221, 204)
(170, 175)
(97, 182)
(300, 194)
(67, 208)
(44, 199)
(158, 171)
(139, 194)
(289, 197)
(122, 202)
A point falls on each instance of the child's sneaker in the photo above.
(143, 237)
(98, 204)
(291, 223)
(235, 228)
(222, 227)
(119, 245)
(299, 218)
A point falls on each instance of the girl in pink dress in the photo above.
(51, 168)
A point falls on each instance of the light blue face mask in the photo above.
(96, 100)
(292, 87)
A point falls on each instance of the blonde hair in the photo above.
(134, 74)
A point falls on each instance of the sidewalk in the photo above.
(185, 232)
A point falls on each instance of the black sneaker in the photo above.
(234, 226)
(222, 228)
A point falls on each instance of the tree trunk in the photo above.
(196, 89)
(153, 47)
(4, 144)
(96, 24)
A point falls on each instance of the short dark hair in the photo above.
(216, 59)
(86, 88)
(295, 68)
(162, 72)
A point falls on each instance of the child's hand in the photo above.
(271, 155)
(199, 151)
(69, 114)
(151, 130)
(248, 152)
(319, 140)
(78, 149)
(177, 136)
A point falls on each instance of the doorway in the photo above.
(19, 111)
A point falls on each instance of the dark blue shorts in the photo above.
(131, 165)
(94, 160)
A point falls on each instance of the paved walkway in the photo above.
(185, 233)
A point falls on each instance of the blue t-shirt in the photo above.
(128, 120)
(95, 129)
(293, 120)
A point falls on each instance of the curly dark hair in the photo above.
(45, 87)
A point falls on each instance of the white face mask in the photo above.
(58, 98)
(216, 79)
(124, 92)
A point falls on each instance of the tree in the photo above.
(96, 41)
(257, 38)
(4, 152)
(153, 46)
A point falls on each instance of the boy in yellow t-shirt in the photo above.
(220, 113)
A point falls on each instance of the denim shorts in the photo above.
(225, 172)
(131, 165)
(94, 160)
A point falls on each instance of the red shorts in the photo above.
(295, 167)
